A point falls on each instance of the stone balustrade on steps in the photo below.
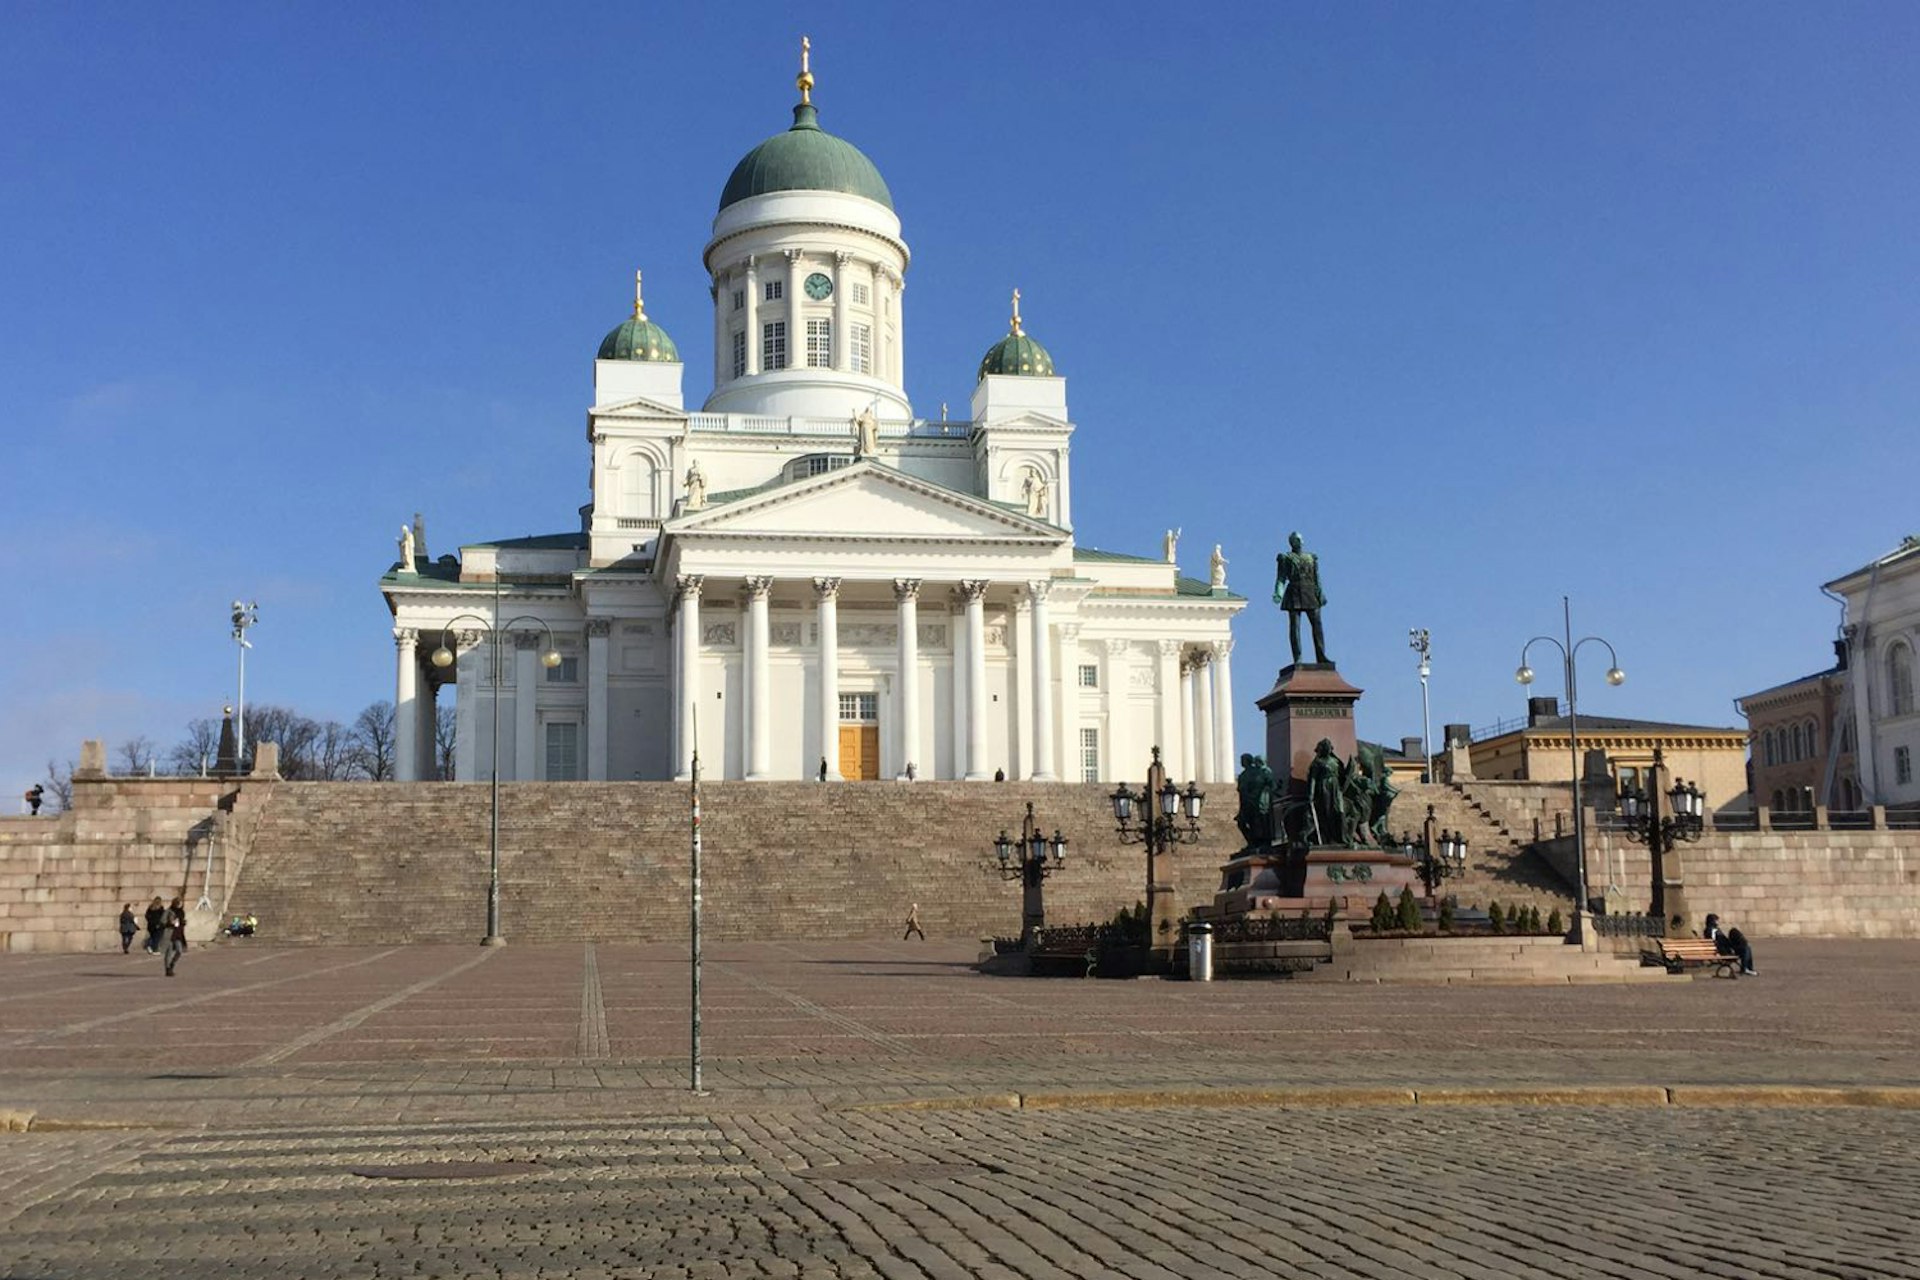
(1520, 960)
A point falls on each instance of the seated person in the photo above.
(1730, 943)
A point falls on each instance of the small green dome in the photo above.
(805, 158)
(638, 339)
(1019, 355)
(1016, 354)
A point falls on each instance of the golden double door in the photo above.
(860, 752)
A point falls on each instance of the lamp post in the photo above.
(1161, 804)
(1685, 820)
(1030, 860)
(245, 614)
(443, 657)
(1569, 650)
(1422, 643)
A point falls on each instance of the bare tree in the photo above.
(445, 726)
(296, 735)
(373, 741)
(59, 785)
(194, 754)
(334, 757)
(135, 754)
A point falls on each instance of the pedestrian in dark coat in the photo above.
(156, 924)
(129, 925)
(176, 934)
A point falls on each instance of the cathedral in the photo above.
(801, 578)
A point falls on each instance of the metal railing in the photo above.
(1499, 727)
(888, 428)
(1628, 925)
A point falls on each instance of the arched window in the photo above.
(1900, 680)
(1813, 738)
(1766, 740)
(1798, 753)
(1778, 796)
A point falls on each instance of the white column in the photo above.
(1067, 702)
(975, 591)
(1203, 741)
(426, 740)
(526, 686)
(468, 665)
(597, 710)
(842, 348)
(759, 681)
(899, 332)
(753, 317)
(1042, 691)
(1187, 758)
(406, 716)
(1121, 750)
(906, 594)
(1223, 758)
(796, 323)
(827, 593)
(1168, 718)
(957, 708)
(882, 313)
(1020, 688)
(688, 670)
(722, 308)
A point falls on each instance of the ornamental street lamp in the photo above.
(443, 657)
(245, 614)
(1422, 643)
(1685, 820)
(1161, 806)
(1615, 676)
(1030, 860)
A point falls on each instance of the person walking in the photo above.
(176, 941)
(129, 925)
(35, 794)
(913, 923)
(156, 923)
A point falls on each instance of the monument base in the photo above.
(1311, 881)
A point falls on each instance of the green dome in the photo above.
(1018, 355)
(805, 158)
(638, 339)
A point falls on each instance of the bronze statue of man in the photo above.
(1296, 588)
(1326, 805)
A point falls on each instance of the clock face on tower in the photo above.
(818, 287)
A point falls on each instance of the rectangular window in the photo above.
(1089, 755)
(861, 355)
(819, 344)
(1089, 676)
(773, 346)
(568, 672)
(860, 708)
(563, 751)
(739, 299)
(1902, 766)
(740, 353)
(773, 291)
(859, 294)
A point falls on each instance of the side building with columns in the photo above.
(803, 577)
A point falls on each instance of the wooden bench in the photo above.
(1677, 955)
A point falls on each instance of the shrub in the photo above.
(1533, 919)
(1446, 915)
(1496, 919)
(1409, 913)
(1383, 914)
(1555, 925)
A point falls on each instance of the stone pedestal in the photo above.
(1309, 701)
(1310, 880)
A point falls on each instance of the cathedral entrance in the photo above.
(860, 737)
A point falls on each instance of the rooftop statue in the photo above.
(406, 550)
(1296, 588)
(1217, 567)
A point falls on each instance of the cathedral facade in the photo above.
(802, 578)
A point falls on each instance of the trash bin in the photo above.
(1200, 952)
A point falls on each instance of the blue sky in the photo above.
(1492, 302)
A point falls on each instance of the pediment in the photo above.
(867, 501)
(637, 407)
(1030, 421)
